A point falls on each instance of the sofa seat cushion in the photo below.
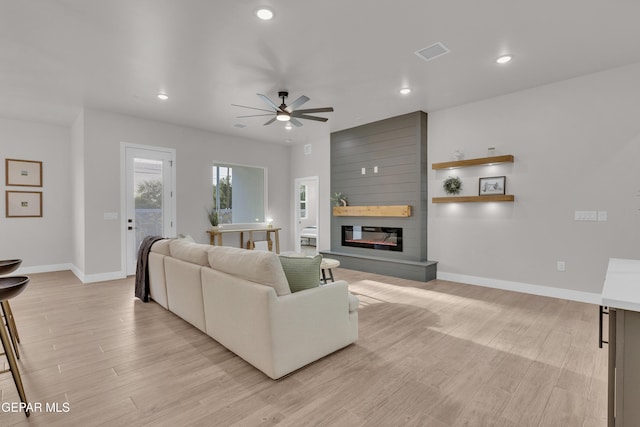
(194, 253)
(302, 272)
(354, 302)
(255, 266)
(162, 247)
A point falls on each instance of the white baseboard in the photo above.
(84, 278)
(100, 277)
(43, 268)
(546, 291)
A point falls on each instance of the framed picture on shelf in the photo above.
(24, 204)
(492, 185)
(23, 173)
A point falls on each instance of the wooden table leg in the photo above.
(277, 242)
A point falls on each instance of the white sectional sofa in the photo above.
(242, 300)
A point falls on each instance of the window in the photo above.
(303, 202)
(239, 193)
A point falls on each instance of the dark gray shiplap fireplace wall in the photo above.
(398, 147)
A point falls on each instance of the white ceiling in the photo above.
(57, 56)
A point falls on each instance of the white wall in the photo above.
(577, 147)
(42, 243)
(77, 195)
(315, 164)
(195, 152)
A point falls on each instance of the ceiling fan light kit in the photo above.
(283, 116)
(287, 113)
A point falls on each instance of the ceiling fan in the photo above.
(287, 113)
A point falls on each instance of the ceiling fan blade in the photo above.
(253, 108)
(254, 115)
(268, 101)
(297, 123)
(318, 119)
(295, 104)
(313, 110)
(270, 121)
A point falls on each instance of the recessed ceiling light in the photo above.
(264, 13)
(504, 59)
(163, 96)
(405, 91)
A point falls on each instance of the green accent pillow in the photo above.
(302, 272)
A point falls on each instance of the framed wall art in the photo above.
(492, 185)
(23, 173)
(24, 204)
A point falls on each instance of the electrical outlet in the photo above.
(586, 216)
(363, 171)
(560, 266)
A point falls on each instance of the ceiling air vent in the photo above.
(432, 52)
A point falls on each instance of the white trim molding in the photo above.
(527, 288)
(100, 277)
(84, 278)
(43, 268)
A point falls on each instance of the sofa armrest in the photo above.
(309, 324)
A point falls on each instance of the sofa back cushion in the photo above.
(194, 253)
(255, 266)
(162, 247)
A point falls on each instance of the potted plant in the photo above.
(212, 214)
(339, 199)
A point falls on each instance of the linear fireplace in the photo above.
(381, 238)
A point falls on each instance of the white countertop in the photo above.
(622, 284)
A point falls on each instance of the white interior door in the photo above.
(149, 197)
(306, 191)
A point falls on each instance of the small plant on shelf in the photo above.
(339, 199)
(452, 185)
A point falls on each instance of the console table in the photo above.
(250, 243)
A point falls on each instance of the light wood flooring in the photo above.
(429, 354)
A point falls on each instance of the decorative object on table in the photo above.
(492, 185)
(339, 199)
(452, 185)
(269, 222)
(457, 155)
(23, 204)
(23, 173)
(212, 214)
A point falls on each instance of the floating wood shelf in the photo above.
(475, 199)
(473, 162)
(393, 211)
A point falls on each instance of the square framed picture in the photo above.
(24, 204)
(23, 173)
(492, 185)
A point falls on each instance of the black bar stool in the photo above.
(9, 266)
(9, 288)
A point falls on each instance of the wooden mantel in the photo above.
(388, 211)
